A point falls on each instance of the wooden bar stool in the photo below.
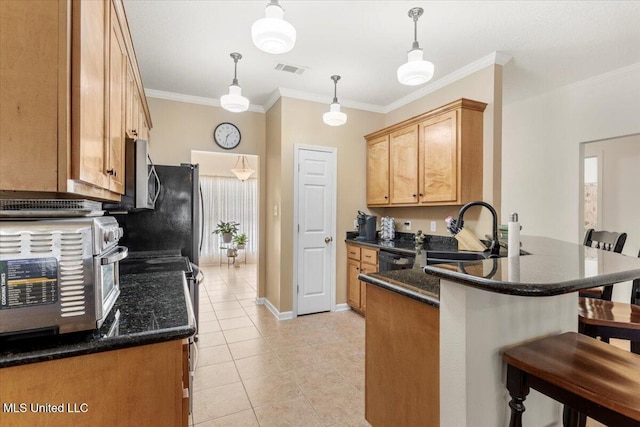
(608, 319)
(590, 377)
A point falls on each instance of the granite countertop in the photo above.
(152, 307)
(412, 282)
(405, 244)
(553, 267)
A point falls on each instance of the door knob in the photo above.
(328, 239)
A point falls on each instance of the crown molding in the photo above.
(495, 58)
(192, 99)
(608, 76)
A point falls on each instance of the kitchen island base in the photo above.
(401, 361)
(475, 327)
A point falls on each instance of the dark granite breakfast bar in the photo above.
(483, 307)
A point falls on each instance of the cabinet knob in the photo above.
(414, 195)
(385, 197)
(421, 194)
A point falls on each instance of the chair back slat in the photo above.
(606, 240)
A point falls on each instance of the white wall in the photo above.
(541, 148)
(620, 211)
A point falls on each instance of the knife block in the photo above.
(467, 241)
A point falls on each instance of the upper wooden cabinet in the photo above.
(378, 170)
(67, 72)
(432, 159)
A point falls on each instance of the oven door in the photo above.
(107, 281)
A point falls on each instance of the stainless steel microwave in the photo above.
(142, 184)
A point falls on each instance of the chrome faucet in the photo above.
(455, 226)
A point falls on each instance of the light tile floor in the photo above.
(254, 370)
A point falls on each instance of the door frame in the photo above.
(297, 148)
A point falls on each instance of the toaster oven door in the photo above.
(107, 281)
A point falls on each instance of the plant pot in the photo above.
(231, 253)
(226, 237)
(241, 246)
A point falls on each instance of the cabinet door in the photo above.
(89, 95)
(129, 125)
(439, 159)
(30, 87)
(363, 296)
(365, 269)
(353, 284)
(403, 149)
(116, 119)
(378, 171)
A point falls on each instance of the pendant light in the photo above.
(273, 34)
(244, 171)
(416, 71)
(334, 117)
(234, 101)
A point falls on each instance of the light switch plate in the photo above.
(407, 225)
(433, 226)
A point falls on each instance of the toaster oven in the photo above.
(58, 275)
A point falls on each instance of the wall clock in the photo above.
(227, 135)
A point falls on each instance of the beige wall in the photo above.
(485, 86)
(179, 128)
(542, 138)
(301, 123)
(273, 209)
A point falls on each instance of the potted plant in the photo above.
(227, 230)
(240, 240)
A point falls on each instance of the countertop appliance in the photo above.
(175, 223)
(142, 184)
(366, 226)
(58, 275)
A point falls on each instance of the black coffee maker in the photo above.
(366, 226)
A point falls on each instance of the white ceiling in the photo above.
(183, 46)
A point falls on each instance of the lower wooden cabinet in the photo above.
(364, 260)
(145, 385)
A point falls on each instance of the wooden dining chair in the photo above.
(607, 241)
(608, 319)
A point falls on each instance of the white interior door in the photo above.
(316, 193)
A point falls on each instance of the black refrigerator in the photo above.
(175, 223)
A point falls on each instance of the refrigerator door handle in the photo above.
(201, 217)
(155, 176)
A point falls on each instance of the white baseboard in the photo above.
(342, 307)
(286, 315)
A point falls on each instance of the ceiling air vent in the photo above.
(291, 68)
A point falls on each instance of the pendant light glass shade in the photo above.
(416, 71)
(244, 171)
(234, 101)
(334, 117)
(272, 33)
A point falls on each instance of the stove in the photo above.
(166, 261)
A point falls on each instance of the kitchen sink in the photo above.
(438, 257)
